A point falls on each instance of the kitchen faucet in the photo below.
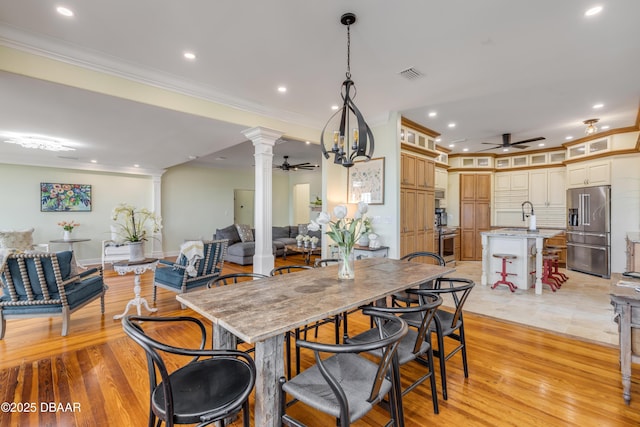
(523, 213)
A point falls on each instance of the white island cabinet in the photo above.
(526, 245)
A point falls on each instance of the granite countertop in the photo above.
(522, 232)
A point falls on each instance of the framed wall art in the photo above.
(366, 182)
(65, 197)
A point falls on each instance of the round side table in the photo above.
(137, 268)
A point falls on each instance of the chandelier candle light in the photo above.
(345, 232)
(348, 145)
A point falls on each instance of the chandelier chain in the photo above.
(348, 52)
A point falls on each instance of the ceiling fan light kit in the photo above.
(591, 126)
(349, 142)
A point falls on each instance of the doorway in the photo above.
(301, 203)
(243, 206)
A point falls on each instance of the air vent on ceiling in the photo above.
(411, 74)
(68, 157)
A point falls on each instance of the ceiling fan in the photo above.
(286, 166)
(506, 142)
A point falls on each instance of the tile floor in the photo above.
(581, 307)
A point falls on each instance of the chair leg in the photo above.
(432, 380)
(443, 360)
(155, 290)
(463, 350)
(245, 414)
(66, 317)
(3, 325)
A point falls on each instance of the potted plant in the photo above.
(314, 242)
(67, 228)
(306, 240)
(132, 225)
(299, 239)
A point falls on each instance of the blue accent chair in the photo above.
(45, 285)
(174, 277)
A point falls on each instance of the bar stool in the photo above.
(547, 269)
(555, 250)
(503, 280)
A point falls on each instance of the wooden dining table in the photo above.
(262, 311)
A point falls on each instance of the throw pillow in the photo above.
(20, 240)
(230, 233)
(245, 233)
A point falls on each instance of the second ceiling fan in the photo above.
(286, 166)
(506, 142)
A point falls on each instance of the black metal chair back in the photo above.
(345, 380)
(233, 278)
(285, 269)
(325, 262)
(214, 385)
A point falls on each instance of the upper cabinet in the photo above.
(413, 137)
(417, 172)
(589, 174)
(588, 148)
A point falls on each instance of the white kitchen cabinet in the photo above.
(507, 181)
(442, 179)
(547, 187)
(589, 174)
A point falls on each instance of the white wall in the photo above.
(20, 203)
(625, 206)
(197, 200)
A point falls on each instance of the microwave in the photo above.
(439, 194)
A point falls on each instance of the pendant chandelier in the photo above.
(591, 126)
(351, 136)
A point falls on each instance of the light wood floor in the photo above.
(519, 376)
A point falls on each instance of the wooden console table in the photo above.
(626, 305)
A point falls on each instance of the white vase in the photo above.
(66, 234)
(136, 251)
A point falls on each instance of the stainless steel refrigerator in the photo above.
(589, 230)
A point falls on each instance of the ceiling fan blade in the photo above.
(522, 147)
(540, 138)
(492, 143)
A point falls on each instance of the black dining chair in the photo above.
(415, 345)
(214, 385)
(402, 297)
(346, 385)
(324, 262)
(446, 323)
(233, 278)
(285, 269)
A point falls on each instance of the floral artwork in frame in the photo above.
(366, 182)
(65, 197)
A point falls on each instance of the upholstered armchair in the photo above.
(44, 285)
(175, 276)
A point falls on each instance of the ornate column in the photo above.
(156, 241)
(263, 141)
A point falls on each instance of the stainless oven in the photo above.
(446, 244)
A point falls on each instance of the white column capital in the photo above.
(259, 135)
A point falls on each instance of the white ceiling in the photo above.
(492, 67)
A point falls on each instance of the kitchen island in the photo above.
(525, 244)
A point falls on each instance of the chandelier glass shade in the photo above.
(350, 135)
(591, 126)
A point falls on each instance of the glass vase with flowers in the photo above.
(67, 228)
(345, 232)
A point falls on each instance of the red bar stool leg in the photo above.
(503, 274)
(546, 270)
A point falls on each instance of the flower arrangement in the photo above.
(135, 223)
(299, 237)
(345, 232)
(306, 238)
(68, 225)
(314, 240)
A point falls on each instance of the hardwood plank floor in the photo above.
(518, 376)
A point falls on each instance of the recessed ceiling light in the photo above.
(282, 89)
(596, 106)
(451, 125)
(334, 107)
(593, 11)
(189, 55)
(136, 165)
(451, 145)
(438, 139)
(94, 161)
(568, 137)
(505, 149)
(605, 127)
(432, 114)
(465, 149)
(307, 142)
(64, 11)
(541, 144)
